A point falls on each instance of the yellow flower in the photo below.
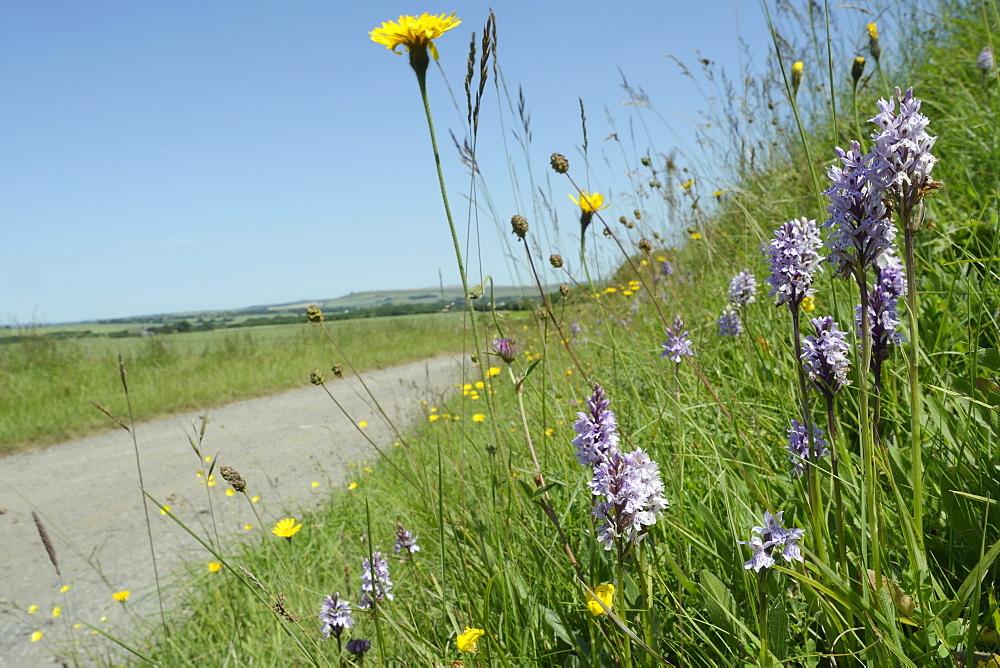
(872, 31)
(590, 203)
(687, 184)
(286, 528)
(230, 491)
(64, 588)
(214, 566)
(478, 417)
(797, 68)
(367, 470)
(352, 486)
(314, 484)
(254, 499)
(569, 372)
(56, 611)
(208, 459)
(164, 510)
(363, 424)
(247, 527)
(605, 593)
(695, 236)
(432, 418)
(414, 32)
(467, 641)
(121, 596)
(493, 371)
(480, 385)
(32, 609)
(36, 636)
(808, 304)
(717, 193)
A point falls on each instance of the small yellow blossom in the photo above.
(627, 293)
(605, 593)
(367, 470)
(214, 566)
(797, 68)
(247, 527)
(397, 444)
(230, 491)
(314, 484)
(363, 424)
(550, 431)
(56, 611)
(569, 372)
(121, 596)
(414, 32)
(695, 236)
(590, 203)
(432, 418)
(717, 193)
(286, 528)
(208, 458)
(434, 410)
(809, 304)
(254, 499)
(610, 290)
(644, 262)
(164, 510)
(32, 609)
(467, 641)
(493, 371)
(36, 636)
(353, 485)
(64, 588)
(872, 31)
(687, 184)
(478, 417)
(480, 385)
(467, 387)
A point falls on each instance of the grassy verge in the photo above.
(509, 522)
(48, 384)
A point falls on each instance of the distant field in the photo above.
(47, 384)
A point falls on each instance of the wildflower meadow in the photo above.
(767, 435)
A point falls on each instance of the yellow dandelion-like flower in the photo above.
(695, 236)
(434, 410)
(286, 528)
(64, 588)
(56, 611)
(314, 484)
(687, 184)
(164, 509)
(121, 596)
(414, 32)
(367, 470)
(569, 372)
(397, 444)
(478, 417)
(32, 609)
(590, 202)
(432, 418)
(809, 304)
(605, 593)
(467, 387)
(247, 527)
(467, 641)
(717, 193)
(254, 499)
(610, 290)
(550, 431)
(208, 458)
(627, 293)
(214, 566)
(352, 486)
(480, 385)
(872, 31)
(36, 636)
(230, 491)
(493, 371)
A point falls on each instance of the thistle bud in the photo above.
(556, 260)
(857, 69)
(519, 225)
(797, 68)
(559, 163)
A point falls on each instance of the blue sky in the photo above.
(169, 156)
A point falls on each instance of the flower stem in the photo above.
(868, 517)
(916, 401)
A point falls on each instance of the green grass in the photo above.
(48, 384)
(508, 546)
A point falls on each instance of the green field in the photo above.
(48, 384)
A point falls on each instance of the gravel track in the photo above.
(86, 492)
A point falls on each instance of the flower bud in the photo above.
(796, 76)
(645, 245)
(556, 260)
(519, 225)
(857, 69)
(873, 41)
(559, 163)
(234, 479)
(564, 290)
(317, 378)
(314, 314)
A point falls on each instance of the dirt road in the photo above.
(87, 494)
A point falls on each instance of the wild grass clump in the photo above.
(714, 455)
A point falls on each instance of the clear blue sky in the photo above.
(167, 156)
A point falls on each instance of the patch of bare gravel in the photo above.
(86, 492)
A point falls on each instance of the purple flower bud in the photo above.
(405, 540)
(506, 348)
(798, 447)
(901, 152)
(375, 581)
(985, 62)
(730, 323)
(794, 261)
(677, 344)
(824, 356)
(596, 430)
(743, 289)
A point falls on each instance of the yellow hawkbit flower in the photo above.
(164, 510)
(695, 236)
(121, 596)
(414, 32)
(605, 593)
(286, 528)
(493, 371)
(64, 588)
(36, 636)
(230, 492)
(467, 641)
(687, 184)
(314, 484)
(247, 527)
(809, 304)
(590, 202)
(56, 611)
(797, 76)
(478, 417)
(363, 424)
(352, 486)
(432, 418)
(872, 31)
(32, 609)
(214, 566)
